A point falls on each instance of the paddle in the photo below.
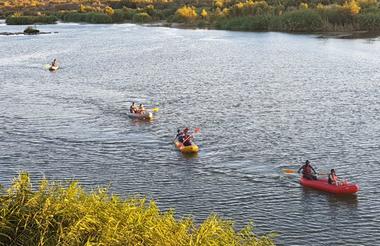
(47, 66)
(289, 171)
(155, 110)
(292, 171)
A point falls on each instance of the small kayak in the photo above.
(323, 185)
(144, 116)
(53, 68)
(186, 149)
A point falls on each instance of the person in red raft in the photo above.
(308, 171)
(333, 179)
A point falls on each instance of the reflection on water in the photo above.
(264, 102)
(334, 201)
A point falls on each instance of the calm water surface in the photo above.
(263, 101)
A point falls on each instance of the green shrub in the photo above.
(142, 17)
(336, 14)
(118, 16)
(369, 21)
(129, 13)
(93, 17)
(246, 23)
(67, 215)
(98, 18)
(306, 20)
(29, 20)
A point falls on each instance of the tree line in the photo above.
(244, 15)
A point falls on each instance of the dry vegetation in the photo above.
(56, 214)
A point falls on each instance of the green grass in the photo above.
(56, 214)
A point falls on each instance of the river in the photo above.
(263, 102)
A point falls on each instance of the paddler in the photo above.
(132, 108)
(308, 171)
(179, 136)
(54, 63)
(141, 109)
(187, 137)
(333, 179)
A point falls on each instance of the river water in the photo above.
(263, 101)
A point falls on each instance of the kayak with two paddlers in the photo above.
(139, 112)
(184, 142)
(331, 184)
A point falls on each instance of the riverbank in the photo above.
(306, 17)
(54, 214)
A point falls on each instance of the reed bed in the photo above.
(58, 214)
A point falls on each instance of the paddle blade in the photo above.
(47, 66)
(197, 130)
(289, 171)
(155, 110)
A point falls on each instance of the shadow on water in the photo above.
(190, 155)
(141, 122)
(332, 199)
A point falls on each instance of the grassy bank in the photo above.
(55, 214)
(244, 15)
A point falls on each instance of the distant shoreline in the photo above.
(332, 34)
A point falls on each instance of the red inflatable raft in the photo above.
(323, 185)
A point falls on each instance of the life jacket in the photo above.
(186, 140)
(333, 178)
(307, 170)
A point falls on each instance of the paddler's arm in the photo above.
(299, 170)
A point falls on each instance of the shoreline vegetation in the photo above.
(300, 16)
(66, 214)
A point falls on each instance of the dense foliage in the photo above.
(249, 15)
(67, 215)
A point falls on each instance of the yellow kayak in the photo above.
(186, 149)
(141, 116)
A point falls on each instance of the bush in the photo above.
(369, 21)
(95, 18)
(59, 215)
(129, 13)
(29, 20)
(335, 14)
(186, 13)
(142, 17)
(119, 16)
(298, 21)
(246, 23)
(98, 18)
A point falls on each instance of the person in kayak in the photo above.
(141, 109)
(187, 137)
(132, 108)
(333, 179)
(54, 63)
(308, 171)
(179, 136)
